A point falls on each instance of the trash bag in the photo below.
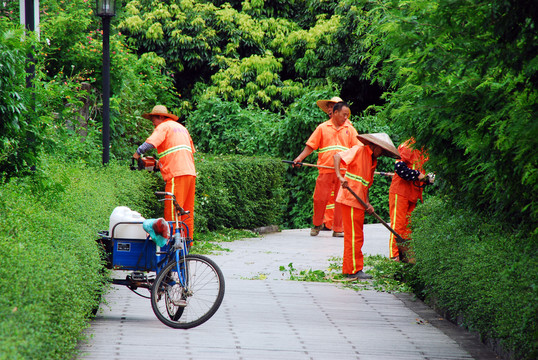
(158, 230)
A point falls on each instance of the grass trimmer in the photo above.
(148, 163)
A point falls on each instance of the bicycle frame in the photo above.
(177, 243)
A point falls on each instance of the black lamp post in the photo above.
(106, 9)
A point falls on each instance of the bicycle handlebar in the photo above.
(176, 205)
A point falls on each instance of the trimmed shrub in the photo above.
(479, 273)
(51, 274)
(224, 128)
(237, 192)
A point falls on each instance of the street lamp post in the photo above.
(106, 9)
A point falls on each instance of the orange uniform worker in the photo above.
(361, 162)
(335, 135)
(176, 161)
(404, 192)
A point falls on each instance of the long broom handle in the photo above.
(398, 237)
(330, 167)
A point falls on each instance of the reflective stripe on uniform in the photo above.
(353, 240)
(357, 178)
(174, 149)
(392, 238)
(334, 147)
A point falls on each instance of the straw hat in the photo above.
(326, 105)
(382, 140)
(160, 110)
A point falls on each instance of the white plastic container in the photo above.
(126, 231)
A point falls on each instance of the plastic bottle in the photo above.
(126, 231)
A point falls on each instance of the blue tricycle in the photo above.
(185, 289)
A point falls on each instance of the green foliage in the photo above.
(305, 275)
(71, 53)
(221, 127)
(253, 80)
(237, 192)
(141, 84)
(18, 135)
(252, 52)
(478, 270)
(387, 275)
(462, 79)
(61, 126)
(210, 242)
(51, 276)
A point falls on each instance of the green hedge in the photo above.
(480, 273)
(51, 271)
(237, 192)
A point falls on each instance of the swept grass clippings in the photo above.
(209, 243)
(388, 276)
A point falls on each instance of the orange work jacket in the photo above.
(360, 175)
(414, 159)
(175, 149)
(329, 141)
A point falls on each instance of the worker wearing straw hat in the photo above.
(176, 161)
(336, 134)
(360, 161)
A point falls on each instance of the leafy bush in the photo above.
(51, 274)
(266, 53)
(71, 54)
(462, 80)
(237, 192)
(18, 134)
(480, 272)
(223, 127)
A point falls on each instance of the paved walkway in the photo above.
(264, 316)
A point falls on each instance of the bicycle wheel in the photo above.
(186, 307)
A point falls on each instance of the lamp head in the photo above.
(105, 7)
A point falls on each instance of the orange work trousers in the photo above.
(329, 213)
(326, 183)
(183, 187)
(400, 213)
(353, 219)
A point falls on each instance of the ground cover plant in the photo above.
(478, 273)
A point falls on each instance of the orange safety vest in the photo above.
(175, 149)
(414, 159)
(330, 141)
(359, 175)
